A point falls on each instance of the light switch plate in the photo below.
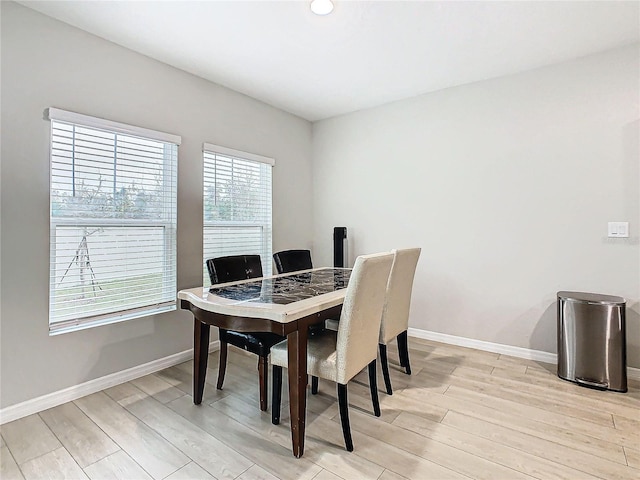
(618, 229)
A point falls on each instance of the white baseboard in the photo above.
(536, 355)
(50, 400)
(35, 405)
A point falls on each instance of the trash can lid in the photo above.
(591, 298)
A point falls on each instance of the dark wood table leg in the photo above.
(297, 367)
(200, 357)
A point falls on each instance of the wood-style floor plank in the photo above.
(327, 475)
(319, 435)
(545, 376)
(522, 396)
(79, 435)
(58, 464)
(451, 362)
(633, 457)
(8, 466)
(122, 391)
(389, 475)
(117, 466)
(180, 376)
(463, 413)
(158, 388)
(447, 456)
(271, 456)
(192, 471)
(539, 414)
(258, 473)
(152, 452)
(28, 438)
(630, 427)
(592, 406)
(552, 432)
(398, 460)
(543, 448)
(233, 381)
(374, 450)
(498, 453)
(212, 454)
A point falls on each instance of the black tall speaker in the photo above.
(340, 256)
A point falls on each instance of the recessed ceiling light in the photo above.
(321, 7)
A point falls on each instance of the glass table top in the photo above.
(287, 289)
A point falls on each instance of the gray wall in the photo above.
(48, 63)
(507, 185)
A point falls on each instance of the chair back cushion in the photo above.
(395, 316)
(292, 260)
(359, 327)
(234, 268)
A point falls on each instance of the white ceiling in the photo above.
(366, 53)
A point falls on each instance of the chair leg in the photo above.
(222, 364)
(400, 351)
(385, 368)
(344, 416)
(403, 350)
(276, 395)
(373, 386)
(200, 357)
(314, 385)
(263, 373)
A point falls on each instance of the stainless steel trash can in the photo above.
(592, 340)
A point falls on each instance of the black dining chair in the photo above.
(292, 260)
(231, 269)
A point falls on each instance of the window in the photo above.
(237, 205)
(113, 221)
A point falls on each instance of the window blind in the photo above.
(113, 221)
(237, 205)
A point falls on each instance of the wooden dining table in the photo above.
(285, 304)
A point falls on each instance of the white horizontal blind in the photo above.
(113, 224)
(237, 205)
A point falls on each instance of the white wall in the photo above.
(506, 184)
(47, 63)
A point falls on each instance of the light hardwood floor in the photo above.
(462, 414)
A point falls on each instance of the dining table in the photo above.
(286, 304)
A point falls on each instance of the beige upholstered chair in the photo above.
(395, 316)
(341, 355)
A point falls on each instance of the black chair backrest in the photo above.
(292, 260)
(234, 268)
